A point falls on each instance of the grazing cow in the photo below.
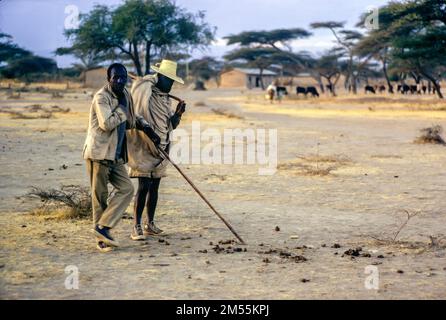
(370, 89)
(313, 91)
(403, 88)
(282, 90)
(301, 90)
(381, 88)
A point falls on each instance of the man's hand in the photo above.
(181, 108)
(143, 125)
(152, 135)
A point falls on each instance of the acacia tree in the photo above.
(10, 51)
(411, 38)
(328, 67)
(424, 50)
(278, 39)
(139, 28)
(346, 42)
(16, 62)
(204, 69)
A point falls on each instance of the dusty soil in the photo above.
(348, 173)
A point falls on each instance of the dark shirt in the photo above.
(121, 128)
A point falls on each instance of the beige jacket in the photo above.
(105, 117)
(154, 106)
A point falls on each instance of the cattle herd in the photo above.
(401, 88)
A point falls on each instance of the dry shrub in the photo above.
(14, 96)
(431, 135)
(56, 95)
(34, 108)
(19, 115)
(68, 202)
(200, 104)
(340, 159)
(37, 110)
(59, 109)
(390, 239)
(226, 113)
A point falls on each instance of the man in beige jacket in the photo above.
(105, 152)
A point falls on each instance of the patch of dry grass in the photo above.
(226, 113)
(315, 165)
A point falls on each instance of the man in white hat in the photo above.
(152, 102)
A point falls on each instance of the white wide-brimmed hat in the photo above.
(169, 69)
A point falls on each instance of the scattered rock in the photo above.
(323, 245)
(64, 167)
(380, 256)
(23, 225)
(161, 240)
(336, 246)
(277, 229)
(294, 237)
(304, 280)
(266, 260)
(203, 251)
(400, 271)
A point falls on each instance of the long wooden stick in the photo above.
(164, 153)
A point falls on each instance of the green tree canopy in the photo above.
(139, 28)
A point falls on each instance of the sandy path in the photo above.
(383, 173)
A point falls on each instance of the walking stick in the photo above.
(164, 153)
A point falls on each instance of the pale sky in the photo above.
(38, 25)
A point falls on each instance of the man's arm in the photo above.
(108, 119)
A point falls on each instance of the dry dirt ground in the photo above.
(348, 174)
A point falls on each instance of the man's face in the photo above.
(118, 79)
(164, 83)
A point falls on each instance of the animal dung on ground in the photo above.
(431, 135)
(286, 255)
